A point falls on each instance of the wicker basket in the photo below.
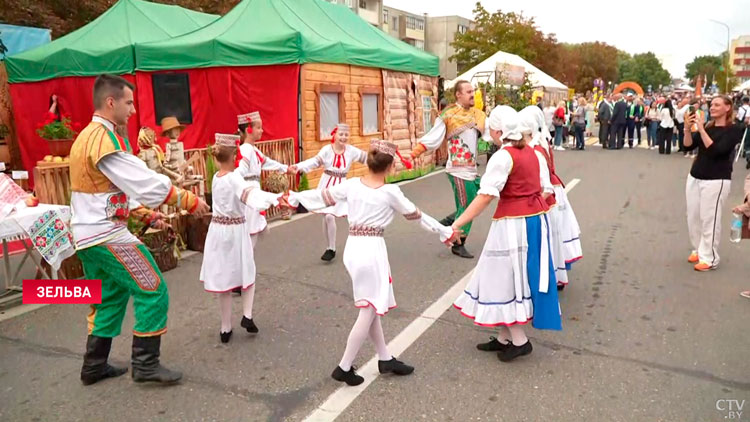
(161, 244)
(197, 229)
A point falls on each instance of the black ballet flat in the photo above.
(493, 345)
(513, 352)
(249, 325)
(349, 377)
(225, 337)
(394, 366)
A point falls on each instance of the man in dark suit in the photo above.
(619, 121)
(604, 116)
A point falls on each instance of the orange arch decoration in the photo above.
(629, 85)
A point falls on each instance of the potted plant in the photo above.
(58, 133)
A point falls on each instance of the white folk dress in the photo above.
(252, 163)
(228, 260)
(336, 168)
(499, 291)
(365, 255)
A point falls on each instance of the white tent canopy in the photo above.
(485, 72)
(744, 86)
(685, 87)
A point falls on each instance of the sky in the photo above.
(676, 31)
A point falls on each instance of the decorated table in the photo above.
(46, 226)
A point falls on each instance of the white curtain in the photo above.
(370, 113)
(329, 113)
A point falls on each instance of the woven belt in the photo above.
(333, 173)
(218, 219)
(366, 231)
(252, 178)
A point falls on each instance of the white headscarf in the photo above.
(505, 119)
(540, 134)
(527, 124)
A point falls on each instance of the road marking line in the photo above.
(340, 399)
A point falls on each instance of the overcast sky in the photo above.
(676, 31)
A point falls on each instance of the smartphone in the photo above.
(691, 109)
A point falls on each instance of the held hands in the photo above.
(158, 222)
(292, 169)
(284, 201)
(455, 239)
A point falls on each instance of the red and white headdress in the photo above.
(385, 147)
(226, 140)
(248, 118)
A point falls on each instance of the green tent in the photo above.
(105, 45)
(266, 32)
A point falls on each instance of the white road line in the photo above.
(340, 399)
(569, 187)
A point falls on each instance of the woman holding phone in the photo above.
(710, 177)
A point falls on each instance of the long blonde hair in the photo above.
(729, 116)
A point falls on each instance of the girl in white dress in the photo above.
(336, 158)
(565, 232)
(228, 254)
(253, 161)
(371, 206)
(514, 280)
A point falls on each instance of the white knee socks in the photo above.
(518, 335)
(225, 309)
(247, 301)
(329, 230)
(378, 339)
(360, 331)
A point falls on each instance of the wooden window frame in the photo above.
(322, 88)
(370, 90)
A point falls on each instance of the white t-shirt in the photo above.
(679, 114)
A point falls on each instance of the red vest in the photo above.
(550, 199)
(522, 194)
(556, 181)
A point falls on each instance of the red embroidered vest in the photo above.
(522, 194)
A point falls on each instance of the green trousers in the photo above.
(126, 270)
(464, 191)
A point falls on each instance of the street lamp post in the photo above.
(726, 68)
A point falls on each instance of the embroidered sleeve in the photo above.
(416, 215)
(251, 195)
(130, 175)
(361, 156)
(321, 198)
(431, 140)
(313, 163)
(498, 169)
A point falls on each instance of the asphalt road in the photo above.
(645, 337)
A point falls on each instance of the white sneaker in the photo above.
(559, 149)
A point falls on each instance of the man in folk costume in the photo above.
(461, 125)
(107, 180)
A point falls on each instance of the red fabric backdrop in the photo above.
(217, 96)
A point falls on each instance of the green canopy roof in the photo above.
(265, 32)
(105, 45)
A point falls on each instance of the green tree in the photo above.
(721, 75)
(703, 65)
(582, 63)
(510, 32)
(643, 68)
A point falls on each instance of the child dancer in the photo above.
(337, 159)
(372, 204)
(564, 229)
(228, 255)
(511, 283)
(250, 165)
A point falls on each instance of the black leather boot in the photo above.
(460, 250)
(146, 366)
(95, 367)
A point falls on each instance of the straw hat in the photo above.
(169, 123)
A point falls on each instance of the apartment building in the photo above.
(369, 10)
(739, 57)
(407, 27)
(441, 32)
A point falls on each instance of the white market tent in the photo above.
(485, 72)
(743, 87)
(685, 87)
